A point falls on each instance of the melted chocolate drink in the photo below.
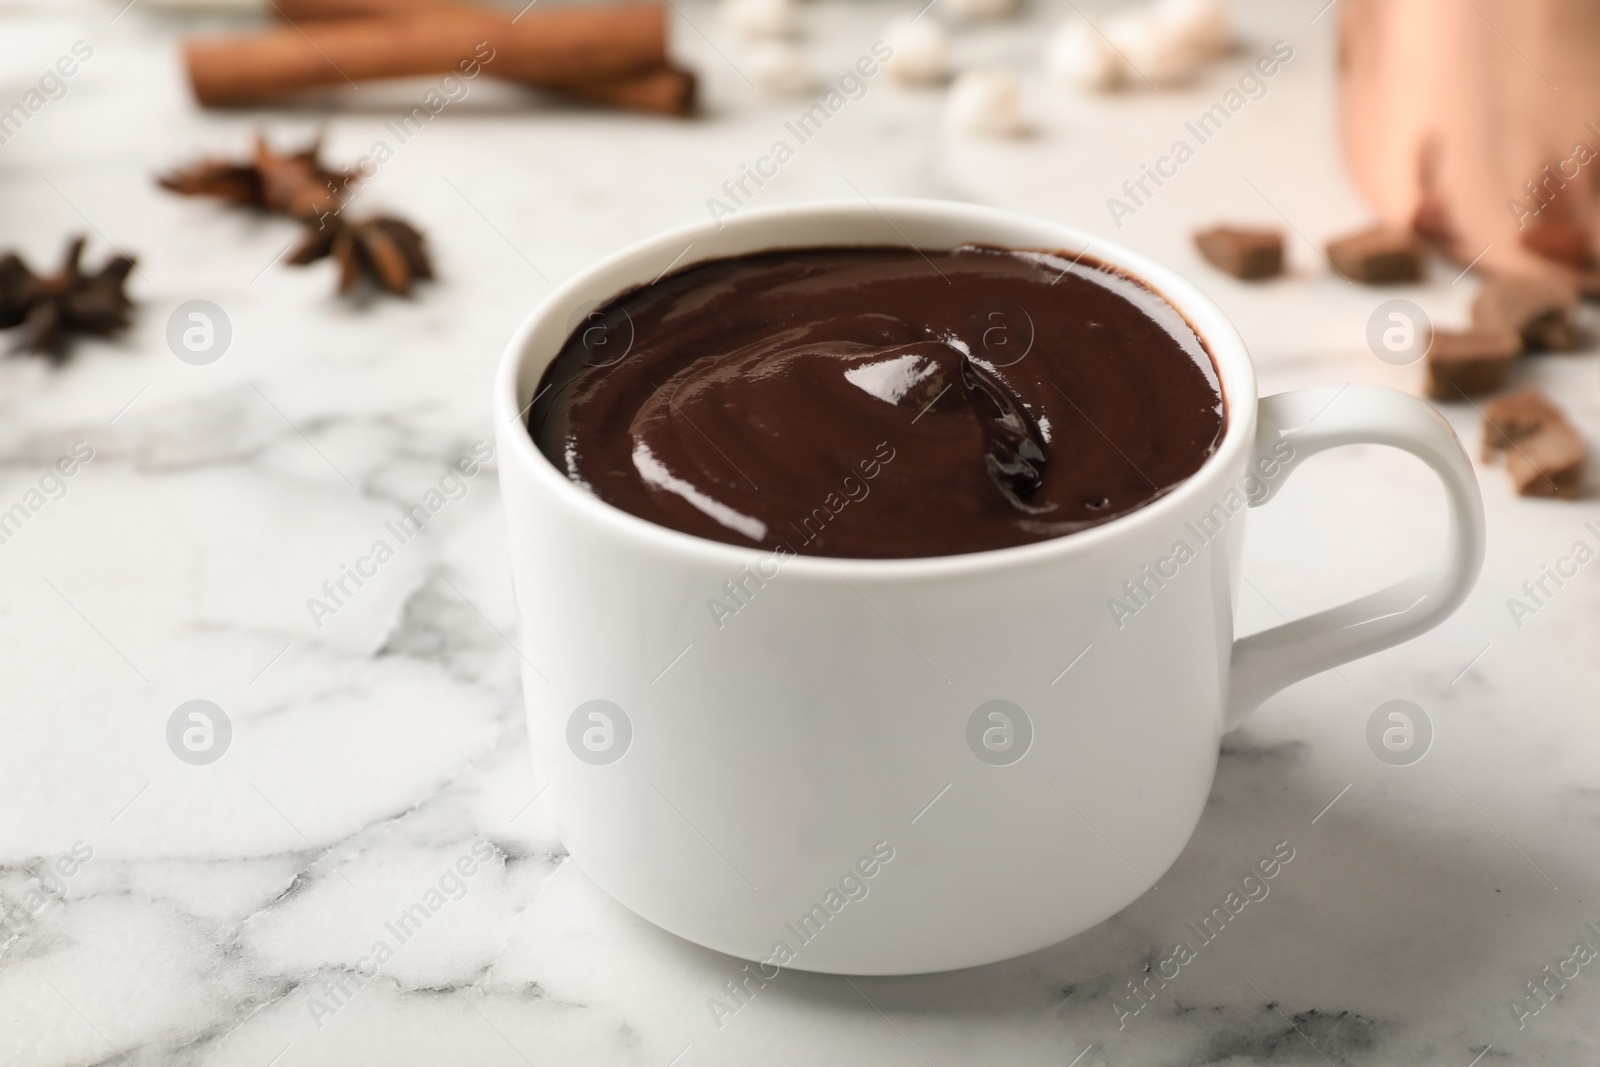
(879, 402)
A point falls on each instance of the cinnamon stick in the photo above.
(555, 48)
(312, 10)
(667, 91)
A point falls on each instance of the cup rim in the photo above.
(1235, 374)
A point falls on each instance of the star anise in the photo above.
(50, 307)
(296, 184)
(383, 249)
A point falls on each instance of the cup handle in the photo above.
(1311, 421)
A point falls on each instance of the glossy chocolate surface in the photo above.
(879, 402)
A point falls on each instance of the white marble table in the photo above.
(222, 906)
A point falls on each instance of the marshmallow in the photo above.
(921, 51)
(1202, 23)
(974, 10)
(1079, 56)
(1153, 49)
(987, 102)
(781, 68)
(760, 18)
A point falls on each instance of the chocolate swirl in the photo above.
(875, 402)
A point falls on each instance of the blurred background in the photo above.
(188, 483)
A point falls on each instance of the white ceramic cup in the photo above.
(907, 765)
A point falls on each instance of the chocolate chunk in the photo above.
(1247, 254)
(1379, 256)
(1540, 307)
(1560, 240)
(1470, 362)
(1549, 463)
(1544, 452)
(1508, 419)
